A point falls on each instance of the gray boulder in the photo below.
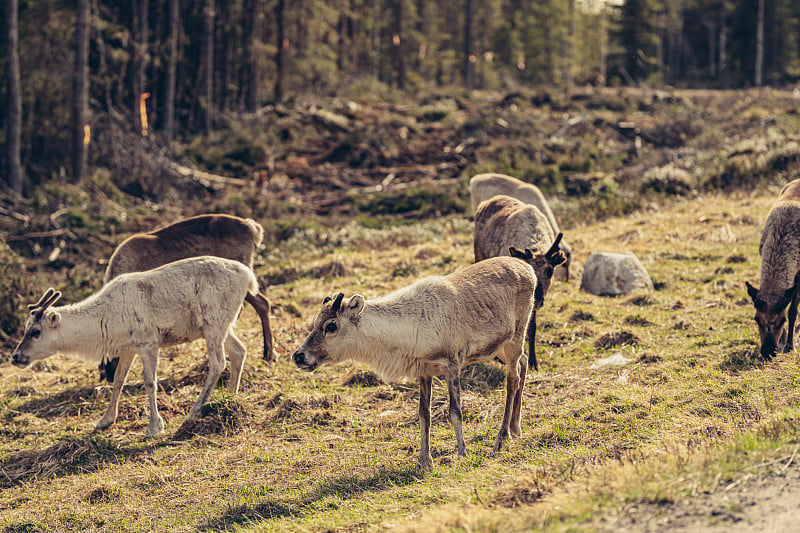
(612, 274)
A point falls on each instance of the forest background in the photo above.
(89, 82)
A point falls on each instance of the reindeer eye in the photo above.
(331, 327)
(35, 333)
(548, 271)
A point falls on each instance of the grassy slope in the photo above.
(297, 451)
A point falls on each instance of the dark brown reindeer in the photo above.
(223, 236)
(507, 226)
(777, 297)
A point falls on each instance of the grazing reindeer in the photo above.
(777, 297)
(435, 326)
(506, 226)
(141, 311)
(218, 235)
(484, 186)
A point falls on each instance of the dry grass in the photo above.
(335, 450)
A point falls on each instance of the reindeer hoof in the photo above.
(155, 429)
(103, 424)
(425, 464)
(498, 444)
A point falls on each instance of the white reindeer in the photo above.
(435, 326)
(141, 311)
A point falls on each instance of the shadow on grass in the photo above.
(70, 402)
(78, 400)
(89, 452)
(344, 487)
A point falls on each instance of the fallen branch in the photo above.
(12, 214)
(207, 178)
(42, 235)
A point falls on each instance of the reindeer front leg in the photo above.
(516, 412)
(121, 373)
(789, 346)
(425, 460)
(512, 385)
(454, 388)
(149, 356)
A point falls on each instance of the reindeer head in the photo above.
(333, 335)
(37, 341)
(771, 319)
(543, 265)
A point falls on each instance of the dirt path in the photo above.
(763, 502)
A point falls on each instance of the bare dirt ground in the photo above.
(760, 501)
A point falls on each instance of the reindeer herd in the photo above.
(190, 279)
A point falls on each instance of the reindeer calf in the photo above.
(435, 326)
(141, 311)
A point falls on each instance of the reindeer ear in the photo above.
(557, 258)
(519, 254)
(326, 300)
(759, 304)
(516, 252)
(355, 305)
(53, 319)
(751, 291)
(788, 296)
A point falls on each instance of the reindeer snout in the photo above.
(304, 361)
(19, 359)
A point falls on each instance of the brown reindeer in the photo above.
(507, 226)
(223, 236)
(777, 297)
(483, 187)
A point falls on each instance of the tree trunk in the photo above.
(172, 69)
(723, 42)
(469, 57)
(759, 66)
(14, 110)
(209, 16)
(398, 61)
(376, 39)
(80, 93)
(341, 52)
(280, 20)
(249, 86)
(140, 58)
(569, 44)
(102, 55)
